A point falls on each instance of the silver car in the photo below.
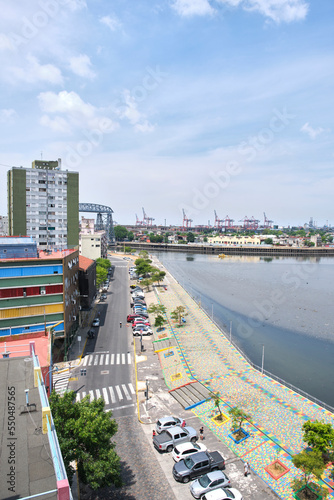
(165, 423)
(209, 482)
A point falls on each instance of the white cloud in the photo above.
(75, 5)
(277, 10)
(5, 43)
(312, 132)
(81, 66)
(34, 72)
(112, 22)
(77, 113)
(7, 115)
(130, 111)
(188, 8)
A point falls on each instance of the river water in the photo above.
(283, 304)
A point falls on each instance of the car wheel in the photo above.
(193, 440)
(214, 468)
(169, 448)
(186, 479)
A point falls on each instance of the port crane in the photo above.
(251, 223)
(139, 222)
(147, 220)
(186, 221)
(228, 223)
(267, 223)
(218, 222)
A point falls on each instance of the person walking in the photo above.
(201, 433)
(120, 324)
(246, 469)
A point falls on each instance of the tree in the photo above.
(101, 275)
(157, 309)
(103, 263)
(120, 233)
(143, 254)
(146, 283)
(158, 275)
(311, 463)
(127, 249)
(84, 431)
(159, 322)
(143, 266)
(268, 241)
(190, 237)
(238, 416)
(215, 398)
(178, 314)
(319, 435)
(130, 236)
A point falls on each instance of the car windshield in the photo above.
(188, 462)
(228, 493)
(159, 423)
(204, 481)
(195, 445)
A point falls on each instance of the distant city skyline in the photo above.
(199, 105)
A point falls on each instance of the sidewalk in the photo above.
(201, 351)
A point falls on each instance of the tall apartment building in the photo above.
(92, 244)
(43, 202)
(3, 225)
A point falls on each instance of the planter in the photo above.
(220, 419)
(276, 469)
(300, 494)
(239, 435)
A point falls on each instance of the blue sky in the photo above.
(205, 105)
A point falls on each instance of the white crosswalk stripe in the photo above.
(60, 381)
(107, 359)
(111, 395)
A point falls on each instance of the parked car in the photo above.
(139, 302)
(223, 494)
(139, 309)
(184, 450)
(140, 322)
(96, 322)
(165, 423)
(132, 317)
(167, 440)
(198, 464)
(142, 331)
(103, 296)
(209, 482)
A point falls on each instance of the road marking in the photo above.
(77, 397)
(98, 393)
(85, 361)
(112, 359)
(112, 395)
(117, 359)
(96, 360)
(119, 392)
(127, 395)
(90, 360)
(132, 389)
(129, 358)
(121, 407)
(105, 395)
(91, 394)
(107, 359)
(83, 394)
(123, 359)
(101, 359)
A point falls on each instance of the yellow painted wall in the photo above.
(18, 312)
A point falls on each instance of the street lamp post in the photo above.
(262, 359)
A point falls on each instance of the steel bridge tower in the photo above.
(104, 221)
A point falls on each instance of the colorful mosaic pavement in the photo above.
(203, 352)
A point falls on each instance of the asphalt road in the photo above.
(108, 358)
(109, 364)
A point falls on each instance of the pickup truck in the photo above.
(167, 440)
(198, 464)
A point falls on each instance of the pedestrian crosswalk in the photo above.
(111, 395)
(60, 381)
(102, 359)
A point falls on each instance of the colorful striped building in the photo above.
(39, 292)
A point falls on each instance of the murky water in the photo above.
(283, 304)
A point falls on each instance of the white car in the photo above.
(96, 322)
(223, 494)
(185, 449)
(142, 331)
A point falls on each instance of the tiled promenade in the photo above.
(278, 413)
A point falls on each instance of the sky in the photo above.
(172, 105)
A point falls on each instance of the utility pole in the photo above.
(262, 359)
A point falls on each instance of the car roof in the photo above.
(185, 446)
(199, 456)
(216, 474)
(166, 419)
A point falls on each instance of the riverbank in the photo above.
(205, 354)
(265, 251)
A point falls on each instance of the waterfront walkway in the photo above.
(198, 350)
